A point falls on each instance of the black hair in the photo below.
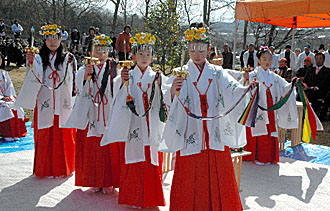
(127, 26)
(262, 51)
(44, 54)
(288, 46)
(91, 28)
(111, 32)
(321, 47)
(140, 47)
(320, 54)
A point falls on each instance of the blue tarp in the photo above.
(307, 152)
(24, 143)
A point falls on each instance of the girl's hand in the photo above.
(176, 85)
(124, 75)
(30, 57)
(88, 71)
(254, 83)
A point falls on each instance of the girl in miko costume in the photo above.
(262, 140)
(48, 88)
(135, 120)
(97, 167)
(12, 120)
(204, 175)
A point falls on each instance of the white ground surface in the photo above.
(290, 185)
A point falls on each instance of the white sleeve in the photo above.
(9, 87)
(175, 128)
(28, 95)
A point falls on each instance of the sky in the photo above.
(220, 15)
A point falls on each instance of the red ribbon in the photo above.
(264, 48)
(56, 78)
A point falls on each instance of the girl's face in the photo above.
(265, 60)
(53, 42)
(143, 58)
(198, 52)
(101, 52)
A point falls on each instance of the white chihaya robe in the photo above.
(124, 126)
(285, 117)
(84, 111)
(7, 90)
(185, 133)
(33, 92)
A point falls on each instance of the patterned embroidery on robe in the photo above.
(234, 87)
(186, 102)
(239, 78)
(220, 100)
(217, 135)
(191, 139)
(228, 130)
(91, 125)
(78, 92)
(230, 84)
(131, 77)
(289, 118)
(45, 104)
(259, 118)
(66, 105)
(134, 135)
(217, 74)
(178, 132)
(86, 95)
(170, 118)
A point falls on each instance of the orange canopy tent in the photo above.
(287, 13)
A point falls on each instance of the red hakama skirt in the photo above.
(141, 183)
(96, 166)
(14, 127)
(205, 181)
(264, 148)
(54, 149)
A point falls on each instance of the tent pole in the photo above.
(235, 44)
(292, 43)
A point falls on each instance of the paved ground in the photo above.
(290, 185)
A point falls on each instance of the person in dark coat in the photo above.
(317, 82)
(227, 57)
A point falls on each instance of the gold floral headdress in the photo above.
(102, 40)
(142, 39)
(194, 33)
(50, 29)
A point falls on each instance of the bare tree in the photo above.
(54, 10)
(186, 10)
(123, 6)
(147, 6)
(115, 14)
(218, 5)
(246, 23)
(276, 36)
